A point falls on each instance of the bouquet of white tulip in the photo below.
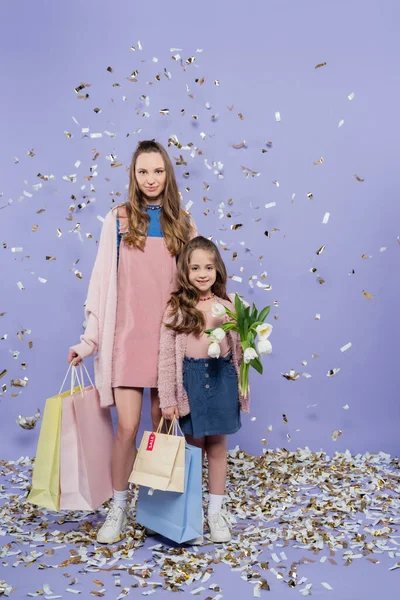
(248, 323)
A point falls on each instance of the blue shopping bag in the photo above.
(176, 516)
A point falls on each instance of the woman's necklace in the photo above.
(208, 298)
(153, 206)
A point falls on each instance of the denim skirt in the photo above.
(212, 388)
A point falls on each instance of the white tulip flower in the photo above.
(214, 350)
(232, 299)
(264, 330)
(264, 347)
(249, 354)
(218, 309)
(217, 335)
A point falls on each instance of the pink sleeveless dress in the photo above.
(145, 282)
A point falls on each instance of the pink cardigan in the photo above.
(170, 372)
(101, 308)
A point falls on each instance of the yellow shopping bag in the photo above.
(45, 489)
(160, 461)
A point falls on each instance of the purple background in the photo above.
(264, 56)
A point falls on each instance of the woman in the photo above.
(132, 279)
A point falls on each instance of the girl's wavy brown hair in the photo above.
(184, 317)
(175, 222)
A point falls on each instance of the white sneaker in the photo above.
(113, 528)
(219, 528)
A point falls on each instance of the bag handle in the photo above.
(173, 427)
(65, 379)
(75, 377)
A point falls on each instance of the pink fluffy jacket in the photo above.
(170, 366)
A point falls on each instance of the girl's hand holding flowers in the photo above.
(249, 324)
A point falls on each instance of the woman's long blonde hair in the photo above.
(184, 316)
(175, 222)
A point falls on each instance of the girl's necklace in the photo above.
(208, 298)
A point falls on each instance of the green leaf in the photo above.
(229, 326)
(256, 364)
(254, 312)
(240, 316)
(264, 314)
(230, 314)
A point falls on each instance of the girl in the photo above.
(133, 277)
(202, 391)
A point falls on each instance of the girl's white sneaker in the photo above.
(219, 527)
(113, 529)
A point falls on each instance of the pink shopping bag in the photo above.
(86, 445)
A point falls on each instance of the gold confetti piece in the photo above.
(20, 285)
(319, 161)
(4, 372)
(81, 87)
(28, 422)
(320, 250)
(291, 376)
(30, 153)
(319, 65)
(332, 372)
(164, 111)
(110, 69)
(236, 226)
(116, 164)
(367, 295)
(317, 317)
(51, 258)
(97, 582)
(284, 417)
(30, 344)
(346, 347)
(321, 280)
(248, 172)
(19, 382)
(240, 145)
(310, 195)
(68, 135)
(359, 178)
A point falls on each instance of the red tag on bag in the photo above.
(150, 443)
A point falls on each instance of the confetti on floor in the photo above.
(343, 510)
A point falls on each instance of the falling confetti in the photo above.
(367, 295)
(28, 422)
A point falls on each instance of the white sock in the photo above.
(120, 498)
(215, 503)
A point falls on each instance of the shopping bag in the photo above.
(175, 516)
(86, 445)
(160, 461)
(45, 490)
